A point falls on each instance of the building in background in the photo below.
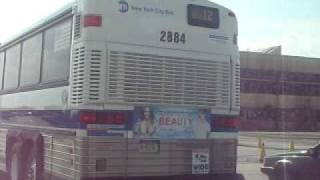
(279, 93)
(275, 50)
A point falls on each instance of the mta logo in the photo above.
(123, 6)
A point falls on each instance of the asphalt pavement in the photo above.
(275, 142)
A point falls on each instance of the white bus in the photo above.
(122, 89)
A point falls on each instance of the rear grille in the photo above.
(151, 79)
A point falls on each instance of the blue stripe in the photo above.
(48, 118)
(70, 119)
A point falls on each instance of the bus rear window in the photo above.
(203, 16)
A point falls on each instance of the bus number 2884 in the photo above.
(172, 37)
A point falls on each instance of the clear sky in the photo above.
(294, 24)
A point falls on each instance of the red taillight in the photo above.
(232, 123)
(92, 21)
(88, 118)
(225, 123)
(231, 14)
(115, 118)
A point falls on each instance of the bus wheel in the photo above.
(284, 175)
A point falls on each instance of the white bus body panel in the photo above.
(44, 99)
(141, 27)
(137, 32)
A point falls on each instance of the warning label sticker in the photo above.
(200, 161)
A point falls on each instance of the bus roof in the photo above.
(68, 8)
(47, 20)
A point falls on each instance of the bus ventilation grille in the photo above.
(86, 76)
(237, 87)
(78, 75)
(95, 74)
(77, 27)
(138, 78)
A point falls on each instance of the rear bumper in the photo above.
(179, 177)
(267, 170)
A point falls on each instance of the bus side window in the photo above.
(31, 61)
(12, 64)
(56, 57)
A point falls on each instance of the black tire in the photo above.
(283, 174)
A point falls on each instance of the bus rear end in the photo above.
(155, 85)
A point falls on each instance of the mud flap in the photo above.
(30, 145)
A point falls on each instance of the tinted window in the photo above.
(31, 60)
(1, 68)
(57, 42)
(12, 64)
(203, 16)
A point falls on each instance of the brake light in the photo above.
(225, 123)
(88, 118)
(117, 118)
(92, 21)
(114, 118)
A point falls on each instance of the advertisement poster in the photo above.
(171, 123)
(200, 161)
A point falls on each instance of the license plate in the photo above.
(149, 146)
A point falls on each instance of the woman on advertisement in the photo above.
(145, 127)
(201, 127)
